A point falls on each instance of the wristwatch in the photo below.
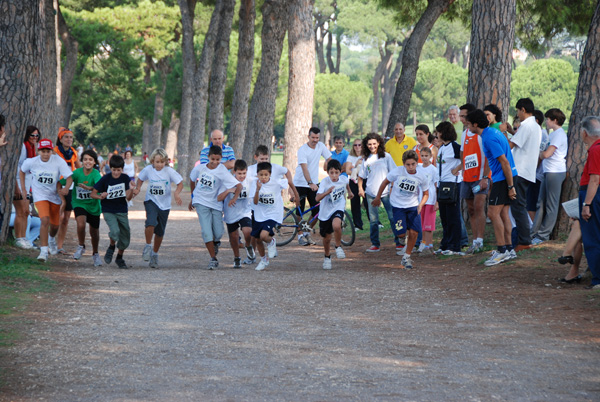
(511, 187)
(310, 182)
(583, 204)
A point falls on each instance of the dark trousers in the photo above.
(306, 193)
(355, 204)
(450, 216)
(518, 209)
(590, 233)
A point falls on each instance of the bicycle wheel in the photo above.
(286, 232)
(348, 233)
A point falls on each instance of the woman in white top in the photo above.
(352, 167)
(130, 169)
(20, 201)
(449, 166)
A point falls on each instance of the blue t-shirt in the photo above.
(341, 158)
(495, 145)
(116, 201)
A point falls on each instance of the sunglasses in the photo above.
(34, 135)
(358, 145)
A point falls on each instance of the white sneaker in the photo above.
(272, 249)
(79, 252)
(421, 248)
(407, 262)
(326, 263)
(24, 244)
(496, 258)
(97, 260)
(146, 253)
(43, 256)
(401, 251)
(262, 265)
(250, 253)
(339, 253)
(52, 247)
(512, 254)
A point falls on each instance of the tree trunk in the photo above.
(386, 55)
(171, 141)
(187, 8)
(71, 48)
(492, 42)
(587, 103)
(218, 72)
(387, 90)
(301, 84)
(147, 123)
(159, 106)
(48, 122)
(410, 62)
(262, 109)
(243, 78)
(329, 53)
(319, 37)
(338, 55)
(201, 80)
(22, 81)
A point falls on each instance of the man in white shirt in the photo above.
(306, 178)
(525, 146)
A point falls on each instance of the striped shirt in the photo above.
(228, 154)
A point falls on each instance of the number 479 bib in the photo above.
(116, 191)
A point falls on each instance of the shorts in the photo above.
(47, 209)
(93, 220)
(118, 228)
(68, 198)
(533, 192)
(211, 223)
(156, 217)
(405, 219)
(268, 225)
(428, 218)
(326, 227)
(242, 223)
(499, 193)
(466, 190)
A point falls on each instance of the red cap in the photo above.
(45, 144)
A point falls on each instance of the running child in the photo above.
(205, 182)
(46, 170)
(113, 190)
(268, 211)
(87, 210)
(238, 215)
(406, 181)
(332, 196)
(158, 200)
(430, 207)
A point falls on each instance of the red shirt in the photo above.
(592, 165)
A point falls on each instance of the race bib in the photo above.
(267, 200)
(83, 194)
(158, 188)
(338, 193)
(46, 179)
(471, 161)
(243, 194)
(206, 181)
(408, 185)
(116, 191)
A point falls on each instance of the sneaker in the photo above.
(109, 255)
(475, 248)
(401, 242)
(250, 253)
(303, 242)
(407, 262)
(272, 249)
(450, 252)
(381, 226)
(536, 242)
(262, 265)
(373, 249)
(421, 248)
(512, 254)
(79, 252)
(43, 256)
(52, 247)
(401, 251)
(249, 261)
(24, 244)
(309, 239)
(496, 258)
(147, 252)
(339, 253)
(153, 261)
(427, 252)
(237, 262)
(212, 264)
(121, 263)
(326, 263)
(438, 251)
(97, 260)
(357, 229)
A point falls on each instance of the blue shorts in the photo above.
(406, 218)
(268, 225)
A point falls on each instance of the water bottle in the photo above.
(476, 189)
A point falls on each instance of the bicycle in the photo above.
(292, 223)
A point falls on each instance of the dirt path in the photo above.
(448, 330)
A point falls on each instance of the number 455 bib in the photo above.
(116, 191)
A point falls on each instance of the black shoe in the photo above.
(121, 263)
(237, 262)
(577, 279)
(109, 255)
(565, 259)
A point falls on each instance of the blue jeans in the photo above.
(374, 218)
(590, 234)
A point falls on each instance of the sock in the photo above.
(430, 245)
(112, 246)
(300, 236)
(265, 258)
(249, 248)
(407, 255)
(509, 247)
(328, 256)
(148, 244)
(338, 247)
(51, 239)
(44, 249)
(153, 252)
(119, 256)
(479, 240)
(272, 241)
(502, 249)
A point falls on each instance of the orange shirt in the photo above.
(473, 158)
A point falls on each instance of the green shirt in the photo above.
(81, 197)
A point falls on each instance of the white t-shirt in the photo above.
(527, 141)
(270, 202)
(557, 162)
(311, 157)
(45, 175)
(446, 158)
(159, 185)
(241, 209)
(355, 169)
(129, 170)
(375, 171)
(406, 187)
(433, 178)
(208, 183)
(277, 171)
(336, 201)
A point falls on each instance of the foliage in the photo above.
(548, 82)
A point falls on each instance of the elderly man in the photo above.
(589, 198)
(399, 144)
(216, 138)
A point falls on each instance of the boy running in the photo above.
(46, 170)
(158, 200)
(331, 195)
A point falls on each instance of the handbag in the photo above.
(447, 190)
